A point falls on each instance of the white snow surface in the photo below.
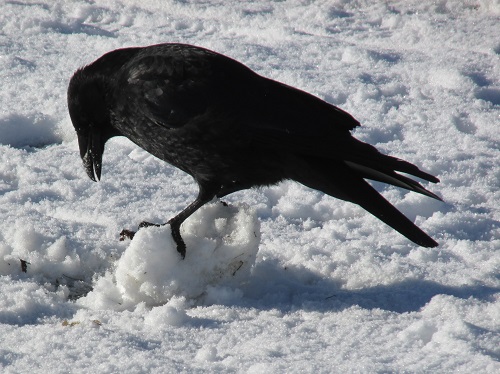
(277, 280)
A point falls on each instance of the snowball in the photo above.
(222, 244)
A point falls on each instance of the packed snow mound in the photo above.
(222, 243)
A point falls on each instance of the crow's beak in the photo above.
(91, 150)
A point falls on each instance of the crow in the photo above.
(230, 129)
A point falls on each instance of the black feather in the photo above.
(231, 129)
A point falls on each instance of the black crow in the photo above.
(230, 129)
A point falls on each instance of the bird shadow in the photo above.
(409, 295)
(299, 288)
(272, 286)
(288, 289)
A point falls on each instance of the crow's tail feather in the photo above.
(389, 176)
(350, 186)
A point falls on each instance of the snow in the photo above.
(278, 279)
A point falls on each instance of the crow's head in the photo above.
(89, 112)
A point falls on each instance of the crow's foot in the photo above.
(126, 234)
(176, 235)
(129, 234)
(149, 224)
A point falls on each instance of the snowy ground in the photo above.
(284, 279)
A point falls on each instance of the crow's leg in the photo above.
(206, 193)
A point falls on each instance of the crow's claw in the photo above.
(181, 246)
(126, 234)
(129, 234)
(148, 224)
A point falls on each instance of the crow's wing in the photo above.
(173, 84)
(316, 129)
(164, 90)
